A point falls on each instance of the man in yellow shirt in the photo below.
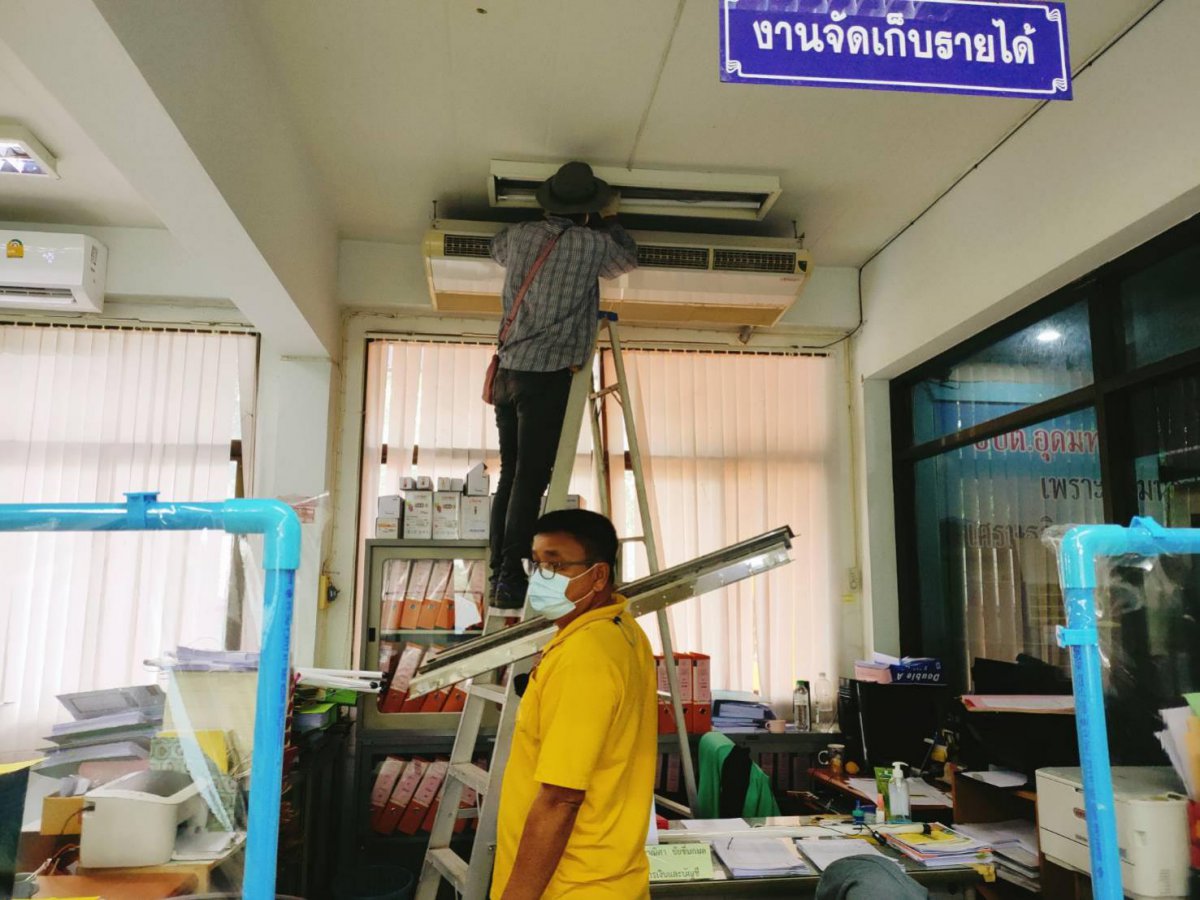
(577, 793)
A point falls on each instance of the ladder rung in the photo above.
(664, 695)
(452, 866)
(632, 539)
(494, 692)
(471, 775)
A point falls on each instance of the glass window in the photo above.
(1166, 440)
(1046, 360)
(1160, 306)
(988, 586)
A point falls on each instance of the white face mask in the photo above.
(548, 596)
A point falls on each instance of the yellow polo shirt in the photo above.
(588, 721)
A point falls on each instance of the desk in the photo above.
(199, 872)
(922, 810)
(116, 887)
(723, 887)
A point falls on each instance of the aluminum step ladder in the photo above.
(495, 660)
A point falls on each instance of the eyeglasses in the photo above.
(549, 569)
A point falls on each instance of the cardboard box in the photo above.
(446, 509)
(573, 501)
(390, 506)
(62, 815)
(450, 484)
(402, 794)
(410, 822)
(424, 483)
(478, 484)
(701, 678)
(476, 518)
(408, 484)
(387, 528)
(418, 515)
(385, 783)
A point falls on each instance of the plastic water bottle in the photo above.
(823, 697)
(801, 709)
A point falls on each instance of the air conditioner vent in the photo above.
(651, 256)
(36, 293)
(475, 246)
(780, 263)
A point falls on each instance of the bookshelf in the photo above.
(381, 553)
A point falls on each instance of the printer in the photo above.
(135, 820)
(1152, 826)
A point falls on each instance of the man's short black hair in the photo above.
(594, 532)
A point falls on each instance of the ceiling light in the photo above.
(648, 192)
(1049, 335)
(23, 154)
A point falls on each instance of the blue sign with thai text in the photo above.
(1005, 49)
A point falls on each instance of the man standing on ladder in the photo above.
(579, 784)
(551, 303)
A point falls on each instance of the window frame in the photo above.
(1110, 393)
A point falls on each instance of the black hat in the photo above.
(574, 189)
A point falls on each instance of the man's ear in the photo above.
(608, 575)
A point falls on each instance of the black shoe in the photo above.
(510, 594)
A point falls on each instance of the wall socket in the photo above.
(855, 578)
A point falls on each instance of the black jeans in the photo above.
(530, 407)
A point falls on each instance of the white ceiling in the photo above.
(90, 191)
(397, 105)
(401, 104)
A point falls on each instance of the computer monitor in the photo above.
(887, 723)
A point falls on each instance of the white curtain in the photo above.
(734, 445)
(89, 415)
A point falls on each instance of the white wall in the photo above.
(1082, 182)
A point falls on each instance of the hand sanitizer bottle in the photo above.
(898, 794)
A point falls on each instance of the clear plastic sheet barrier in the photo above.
(246, 714)
(1109, 571)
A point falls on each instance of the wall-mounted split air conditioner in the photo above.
(47, 270)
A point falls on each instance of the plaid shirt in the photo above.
(556, 325)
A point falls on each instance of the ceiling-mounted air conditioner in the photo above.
(681, 279)
(48, 270)
(649, 192)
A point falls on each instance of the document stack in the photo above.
(1015, 845)
(940, 847)
(761, 857)
(114, 724)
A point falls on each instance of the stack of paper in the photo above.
(1015, 845)
(1181, 741)
(940, 847)
(108, 725)
(760, 857)
(824, 852)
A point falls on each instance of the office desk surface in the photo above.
(116, 887)
(725, 887)
(919, 804)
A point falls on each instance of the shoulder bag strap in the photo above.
(529, 276)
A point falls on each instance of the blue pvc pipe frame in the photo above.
(1082, 546)
(280, 528)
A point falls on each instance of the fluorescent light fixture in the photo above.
(648, 192)
(23, 154)
(1049, 335)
